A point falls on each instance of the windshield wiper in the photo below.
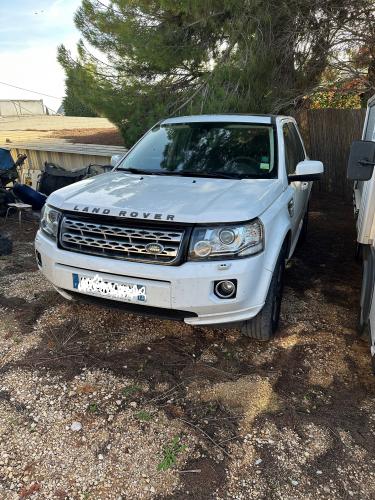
(141, 171)
(183, 173)
(217, 175)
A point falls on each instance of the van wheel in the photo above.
(264, 325)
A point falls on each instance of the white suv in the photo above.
(195, 222)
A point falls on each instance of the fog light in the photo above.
(225, 289)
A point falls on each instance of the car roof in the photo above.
(226, 117)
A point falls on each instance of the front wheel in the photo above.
(264, 325)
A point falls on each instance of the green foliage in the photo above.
(73, 104)
(143, 416)
(343, 94)
(169, 57)
(335, 98)
(93, 408)
(170, 453)
(130, 389)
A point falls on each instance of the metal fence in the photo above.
(328, 134)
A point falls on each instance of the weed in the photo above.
(130, 389)
(144, 416)
(93, 408)
(170, 453)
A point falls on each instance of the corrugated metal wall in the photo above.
(40, 138)
(70, 161)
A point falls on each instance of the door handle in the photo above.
(291, 207)
(304, 186)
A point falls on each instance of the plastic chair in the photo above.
(19, 207)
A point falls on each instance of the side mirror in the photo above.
(307, 170)
(115, 159)
(361, 161)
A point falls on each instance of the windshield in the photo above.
(212, 149)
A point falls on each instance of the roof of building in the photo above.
(52, 122)
(69, 134)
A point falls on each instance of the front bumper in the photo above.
(188, 287)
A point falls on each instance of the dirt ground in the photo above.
(97, 404)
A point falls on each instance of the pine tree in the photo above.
(73, 104)
(166, 57)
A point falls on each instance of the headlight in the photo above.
(229, 241)
(49, 222)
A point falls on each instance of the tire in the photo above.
(305, 223)
(264, 325)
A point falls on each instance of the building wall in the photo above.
(69, 161)
(21, 107)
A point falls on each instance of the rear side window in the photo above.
(294, 152)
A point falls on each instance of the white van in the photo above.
(360, 169)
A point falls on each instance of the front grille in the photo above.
(146, 244)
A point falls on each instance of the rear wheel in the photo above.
(264, 325)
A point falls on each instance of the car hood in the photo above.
(169, 198)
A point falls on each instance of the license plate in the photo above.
(101, 287)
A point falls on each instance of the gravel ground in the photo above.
(100, 404)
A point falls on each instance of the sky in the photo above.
(30, 32)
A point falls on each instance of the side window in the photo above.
(298, 142)
(294, 152)
(290, 151)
